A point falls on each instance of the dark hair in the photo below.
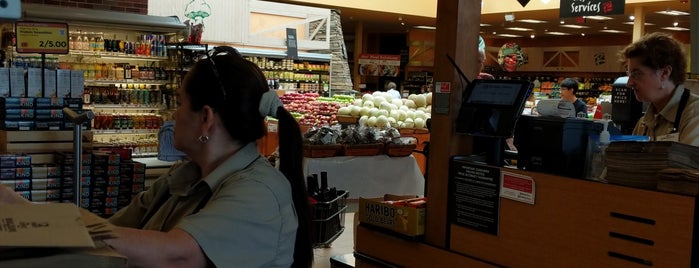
(243, 83)
(233, 87)
(657, 50)
(291, 164)
(570, 83)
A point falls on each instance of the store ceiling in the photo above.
(493, 25)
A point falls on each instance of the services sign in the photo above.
(42, 37)
(579, 8)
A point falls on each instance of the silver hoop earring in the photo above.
(203, 139)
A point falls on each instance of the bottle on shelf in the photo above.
(100, 42)
(121, 46)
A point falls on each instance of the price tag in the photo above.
(40, 37)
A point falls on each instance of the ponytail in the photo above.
(291, 165)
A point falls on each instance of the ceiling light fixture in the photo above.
(675, 24)
(574, 26)
(519, 29)
(632, 17)
(532, 36)
(678, 29)
(631, 23)
(598, 17)
(611, 31)
(671, 12)
(425, 27)
(583, 34)
(532, 21)
(557, 33)
(509, 35)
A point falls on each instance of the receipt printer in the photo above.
(553, 144)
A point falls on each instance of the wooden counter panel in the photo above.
(570, 225)
(405, 253)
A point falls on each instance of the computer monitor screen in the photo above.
(492, 107)
(495, 93)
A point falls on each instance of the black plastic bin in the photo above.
(328, 219)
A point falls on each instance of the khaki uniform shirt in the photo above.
(655, 124)
(248, 221)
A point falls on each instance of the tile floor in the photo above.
(342, 245)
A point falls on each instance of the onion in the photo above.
(362, 120)
(371, 121)
(381, 121)
(420, 100)
(391, 121)
(364, 111)
(355, 110)
(410, 104)
(378, 100)
(408, 123)
(344, 110)
(419, 123)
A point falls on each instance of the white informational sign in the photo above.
(443, 87)
(518, 187)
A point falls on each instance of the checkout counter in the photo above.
(543, 214)
(572, 223)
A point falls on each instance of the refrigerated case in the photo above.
(126, 71)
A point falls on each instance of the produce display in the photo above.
(310, 109)
(356, 141)
(379, 109)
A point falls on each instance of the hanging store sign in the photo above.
(379, 65)
(292, 51)
(40, 37)
(579, 8)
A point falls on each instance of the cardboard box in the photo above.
(405, 220)
(34, 83)
(77, 84)
(62, 83)
(46, 225)
(48, 235)
(4, 82)
(17, 84)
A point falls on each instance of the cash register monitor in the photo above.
(491, 108)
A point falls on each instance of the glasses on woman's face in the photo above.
(223, 50)
(635, 74)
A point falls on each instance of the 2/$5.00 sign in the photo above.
(579, 8)
(40, 37)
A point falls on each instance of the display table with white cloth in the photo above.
(370, 176)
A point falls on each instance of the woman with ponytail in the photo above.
(227, 206)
